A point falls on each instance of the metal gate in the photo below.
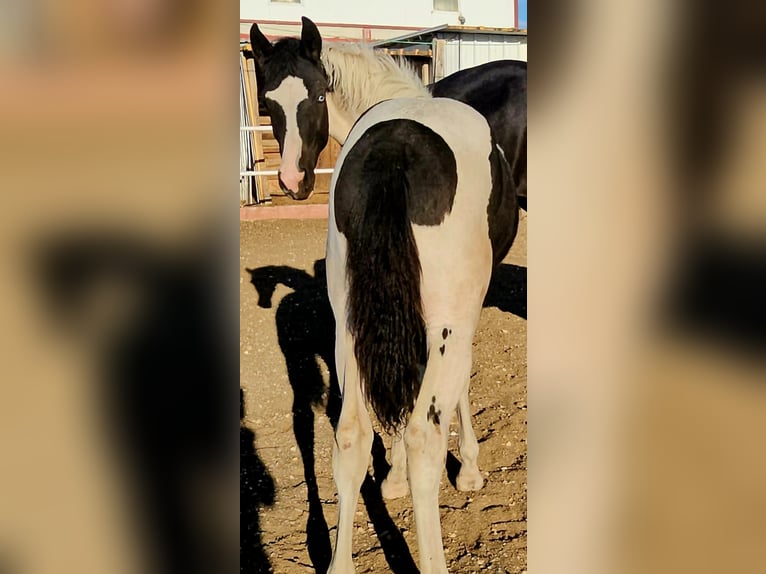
(252, 184)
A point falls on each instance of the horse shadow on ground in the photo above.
(256, 489)
(306, 333)
(508, 290)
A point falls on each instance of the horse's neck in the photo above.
(341, 120)
(361, 82)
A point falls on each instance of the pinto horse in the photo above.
(422, 206)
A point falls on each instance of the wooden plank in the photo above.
(439, 47)
(425, 74)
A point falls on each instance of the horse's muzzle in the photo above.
(297, 186)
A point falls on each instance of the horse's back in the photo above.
(442, 146)
(443, 150)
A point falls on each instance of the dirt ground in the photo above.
(288, 498)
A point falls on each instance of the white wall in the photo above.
(415, 13)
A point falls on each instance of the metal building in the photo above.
(448, 49)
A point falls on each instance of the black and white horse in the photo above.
(422, 206)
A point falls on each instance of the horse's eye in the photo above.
(320, 99)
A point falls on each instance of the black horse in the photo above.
(498, 91)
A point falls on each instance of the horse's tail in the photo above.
(384, 304)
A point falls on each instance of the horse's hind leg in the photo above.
(469, 478)
(426, 435)
(351, 452)
(395, 485)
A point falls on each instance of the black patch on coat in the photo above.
(314, 129)
(441, 349)
(503, 209)
(407, 151)
(398, 173)
(445, 332)
(278, 122)
(433, 414)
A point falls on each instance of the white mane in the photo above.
(361, 77)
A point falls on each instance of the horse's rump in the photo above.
(396, 173)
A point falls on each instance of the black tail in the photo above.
(385, 310)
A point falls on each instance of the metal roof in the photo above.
(425, 36)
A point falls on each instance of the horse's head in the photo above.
(293, 91)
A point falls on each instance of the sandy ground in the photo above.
(288, 496)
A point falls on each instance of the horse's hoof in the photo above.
(391, 489)
(469, 480)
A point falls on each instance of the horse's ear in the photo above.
(259, 43)
(311, 41)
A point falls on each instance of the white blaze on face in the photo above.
(289, 94)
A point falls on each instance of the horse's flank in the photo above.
(360, 77)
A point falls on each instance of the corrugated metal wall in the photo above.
(466, 50)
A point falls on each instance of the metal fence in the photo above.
(252, 187)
